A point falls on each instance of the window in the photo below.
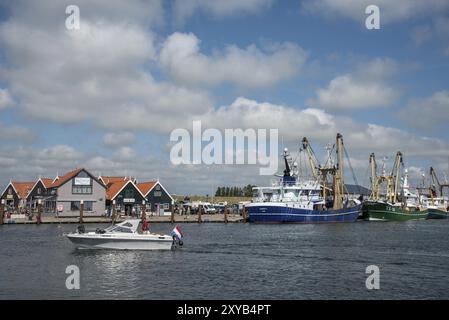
(81, 189)
(76, 206)
(157, 193)
(38, 190)
(121, 229)
(166, 206)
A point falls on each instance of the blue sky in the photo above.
(108, 95)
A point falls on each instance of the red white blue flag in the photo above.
(177, 233)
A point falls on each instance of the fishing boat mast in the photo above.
(338, 176)
(373, 163)
(396, 173)
(311, 157)
(432, 188)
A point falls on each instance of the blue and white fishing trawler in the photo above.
(297, 199)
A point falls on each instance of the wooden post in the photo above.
(39, 211)
(144, 216)
(81, 210)
(200, 209)
(2, 211)
(244, 214)
(226, 214)
(172, 218)
(114, 211)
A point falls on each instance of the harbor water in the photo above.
(235, 261)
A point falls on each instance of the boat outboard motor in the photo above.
(81, 229)
(177, 241)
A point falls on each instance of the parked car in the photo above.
(209, 209)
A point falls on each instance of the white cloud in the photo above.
(366, 87)
(390, 11)
(183, 9)
(49, 14)
(117, 139)
(345, 93)
(16, 133)
(246, 113)
(181, 58)
(321, 127)
(5, 99)
(124, 154)
(94, 74)
(428, 112)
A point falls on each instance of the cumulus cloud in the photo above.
(5, 99)
(93, 74)
(183, 9)
(366, 87)
(390, 11)
(321, 127)
(117, 139)
(427, 112)
(181, 58)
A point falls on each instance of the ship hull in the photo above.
(437, 214)
(380, 211)
(278, 213)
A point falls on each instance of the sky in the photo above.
(107, 96)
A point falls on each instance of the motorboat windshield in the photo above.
(128, 226)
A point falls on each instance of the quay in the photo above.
(205, 218)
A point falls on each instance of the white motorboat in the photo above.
(122, 236)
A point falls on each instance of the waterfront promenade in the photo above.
(205, 218)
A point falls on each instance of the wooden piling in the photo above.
(244, 215)
(226, 214)
(81, 211)
(39, 212)
(114, 212)
(172, 218)
(200, 209)
(2, 211)
(144, 215)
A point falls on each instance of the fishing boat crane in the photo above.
(392, 207)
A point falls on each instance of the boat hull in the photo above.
(123, 243)
(437, 214)
(380, 211)
(277, 213)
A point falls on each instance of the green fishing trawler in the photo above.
(433, 197)
(393, 206)
(383, 211)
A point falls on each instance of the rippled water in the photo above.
(235, 261)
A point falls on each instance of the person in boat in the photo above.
(145, 226)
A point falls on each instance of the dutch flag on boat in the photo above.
(177, 233)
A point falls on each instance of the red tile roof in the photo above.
(63, 179)
(47, 182)
(107, 180)
(145, 187)
(22, 188)
(114, 188)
